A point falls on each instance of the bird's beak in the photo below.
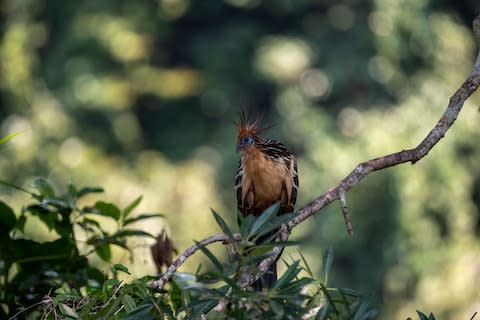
(240, 146)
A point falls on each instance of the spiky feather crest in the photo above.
(247, 127)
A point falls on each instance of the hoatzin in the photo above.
(267, 173)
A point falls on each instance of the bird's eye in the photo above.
(247, 140)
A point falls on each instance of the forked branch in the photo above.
(359, 172)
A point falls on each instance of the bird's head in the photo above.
(248, 133)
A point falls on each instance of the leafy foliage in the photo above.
(54, 280)
(30, 269)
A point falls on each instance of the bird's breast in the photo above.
(267, 177)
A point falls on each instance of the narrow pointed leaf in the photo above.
(84, 191)
(289, 275)
(9, 137)
(309, 271)
(327, 262)
(132, 232)
(264, 219)
(131, 206)
(210, 256)
(223, 225)
(143, 217)
(421, 315)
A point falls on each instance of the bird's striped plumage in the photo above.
(267, 173)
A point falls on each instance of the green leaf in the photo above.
(9, 137)
(108, 209)
(132, 232)
(145, 311)
(327, 263)
(143, 217)
(7, 218)
(264, 218)
(131, 206)
(223, 225)
(210, 256)
(277, 308)
(288, 276)
(121, 267)
(128, 303)
(423, 316)
(361, 310)
(44, 188)
(21, 222)
(67, 311)
(91, 222)
(87, 190)
(324, 312)
(104, 252)
(245, 223)
(309, 271)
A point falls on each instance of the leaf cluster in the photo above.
(54, 280)
(30, 269)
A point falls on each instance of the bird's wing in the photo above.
(289, 193)
(295, 184)
(238, 185)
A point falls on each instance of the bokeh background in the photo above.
(139, 97)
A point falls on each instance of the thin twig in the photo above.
(160, 283)
(44, 302)
(346, 216)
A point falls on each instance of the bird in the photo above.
(267, 173)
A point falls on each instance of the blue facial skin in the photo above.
(244, 142)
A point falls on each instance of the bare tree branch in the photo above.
(359, 172)
(160, 283)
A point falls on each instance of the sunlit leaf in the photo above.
(9, 137)
(67, 311)
(131, 206)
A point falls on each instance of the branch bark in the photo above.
(359, 172)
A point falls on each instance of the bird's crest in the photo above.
(248, 127)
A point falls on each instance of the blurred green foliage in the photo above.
(138, 97)
(30, 270)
